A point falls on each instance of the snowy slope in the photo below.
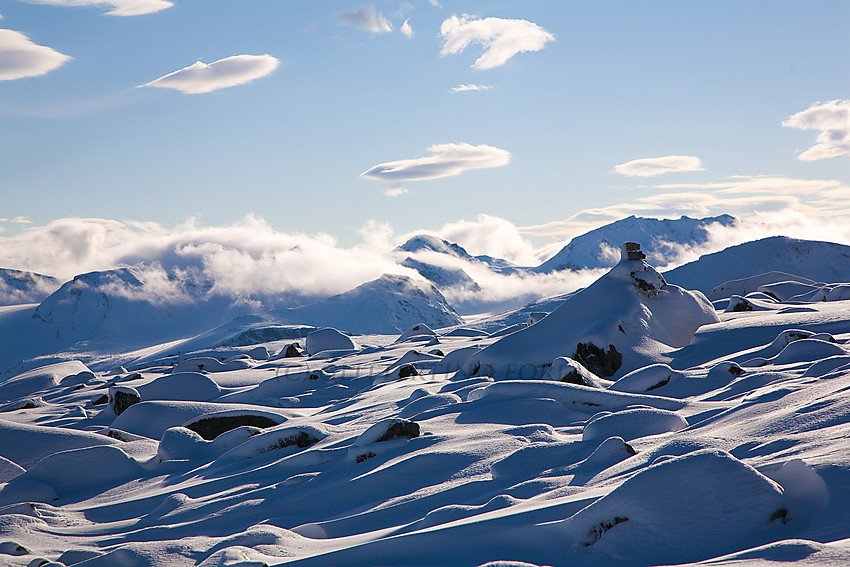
(386, 305)
(820, 261)
(661, 238)
(379, 452)
(628, 318)
(17, 287)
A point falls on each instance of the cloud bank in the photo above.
(649, 167)
(228, 72)
(116, 7)
(448, 160)
(20, 57)
(501, 39)
(367, 19)
(833, 120)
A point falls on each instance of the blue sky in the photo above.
(338, 89)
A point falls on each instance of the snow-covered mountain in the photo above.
(820, 261)
(660, 238)
(135, 304)
(387, 305)
(18, 287)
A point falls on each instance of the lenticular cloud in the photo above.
(224, 73)
(833, 120)
(448, 160)
(501, 38)
(118, 7)
(650, 167)
(20, 57)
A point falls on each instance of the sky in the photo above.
(507, 126)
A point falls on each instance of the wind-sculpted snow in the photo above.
(628, 318)
(720, 436)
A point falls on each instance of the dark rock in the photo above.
(122, 399)
(365, 457)
(104, 399)
(597, 360)
(292, 351)
(211, 427)
(403, 429)
(407, 370)
(599, 530)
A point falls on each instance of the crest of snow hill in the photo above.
(626, 319)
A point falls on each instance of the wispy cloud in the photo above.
(221, 74)
(115, 7)
(395, 190)
(20, 57)
(500, 38)
(435, 4)
(833, 120)
(407, 29)
(649, 167)
(467, 88)
(367, 19)
(448, 160)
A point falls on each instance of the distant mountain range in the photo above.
(18, 287)
(140, 305)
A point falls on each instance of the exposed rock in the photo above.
(598, 360)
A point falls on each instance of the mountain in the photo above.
(17, 287)
(660, 238)
(136, 304)
(388, 304)
(816, 260)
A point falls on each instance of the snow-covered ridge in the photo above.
(18, 287)
(599, 248)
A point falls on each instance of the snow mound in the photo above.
(627, 318)
(39, 378)
(328, 339)
(632, 423)
(743, 286)
(186, 386)
(685, 508)
(420, 331)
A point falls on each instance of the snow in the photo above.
(628, 318)
(720, 439)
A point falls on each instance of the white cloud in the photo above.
(435, 4)
(649, 167)
(407, 29)
(490, 235)
(467, 88)
(221, 74)
(247, 257)
(833, 120)
(116, 7)
(448, 160)
(500, 38)
(20, 57)
(741, 196)
(366, 19)
(395, 190)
